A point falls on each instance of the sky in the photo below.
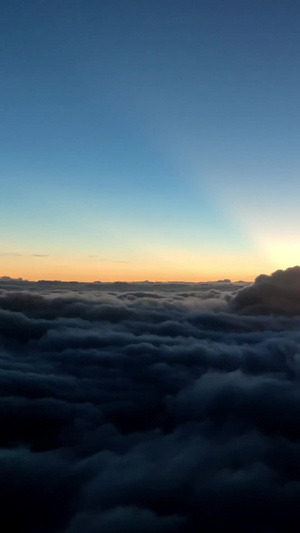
(150, 140)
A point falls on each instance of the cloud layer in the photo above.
(150, 407)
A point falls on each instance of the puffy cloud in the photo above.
(149, 407)
(278, 293)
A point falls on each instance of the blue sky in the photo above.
(159, 137)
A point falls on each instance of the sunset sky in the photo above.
(150, 139)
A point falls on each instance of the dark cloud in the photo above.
(278, 293)
(8, 278)
(149, 407)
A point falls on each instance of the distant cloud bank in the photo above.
(150, 407)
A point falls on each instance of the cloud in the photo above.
(8, 278)
(278, 293)
(16, 254)
(148, 407)
(124, 519)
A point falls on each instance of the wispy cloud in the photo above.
(18, 254)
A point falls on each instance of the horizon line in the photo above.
(20, 280)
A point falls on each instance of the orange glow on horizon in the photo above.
(180, 268)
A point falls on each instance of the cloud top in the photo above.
(278, 293)
(148, 408)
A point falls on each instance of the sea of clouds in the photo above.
(150, 407)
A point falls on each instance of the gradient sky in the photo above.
(149, 139)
